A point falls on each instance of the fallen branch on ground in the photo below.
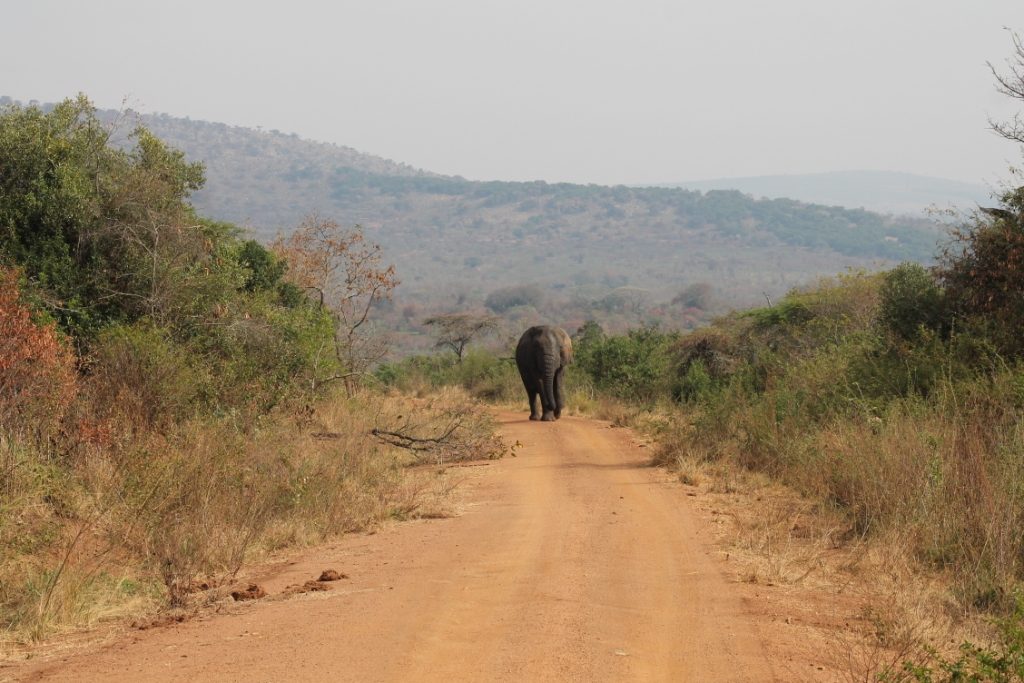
(456, 433)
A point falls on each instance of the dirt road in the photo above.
(571, 562)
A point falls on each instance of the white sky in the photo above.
(560, 90)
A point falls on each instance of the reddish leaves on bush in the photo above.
(37, 372)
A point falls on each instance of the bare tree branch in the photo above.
(346, 273)
(1011, 84)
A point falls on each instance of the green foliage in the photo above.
(48, 198)
(178, 314)
(630, 367)
(694, 383)
(589, 333)
(264, 269)
(882, 371)
(290, 295)
(484, 374)
(790, 311)
(100, 229)
(911, 301)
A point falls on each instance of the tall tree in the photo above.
(105, 231)
(344, 274)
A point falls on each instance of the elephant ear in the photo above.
(565, 346)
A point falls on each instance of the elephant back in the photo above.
(531, 338)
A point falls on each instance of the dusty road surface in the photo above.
(571, 562)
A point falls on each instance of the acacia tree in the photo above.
(456, 330)
(343, 273)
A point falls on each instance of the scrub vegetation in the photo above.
(175, 398)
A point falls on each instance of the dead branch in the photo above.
(416, 443)
(455, 433)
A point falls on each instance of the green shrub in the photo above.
(695, 383)
(105, 231)
(484, 374)
(887, 369)
(264, 270)
(631, 367)
(139, 374)
(789, 311)
(703, 361)
(911, 300)
(488, 376)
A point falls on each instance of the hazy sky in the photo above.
(573, 90)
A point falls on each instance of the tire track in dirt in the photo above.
(572, 562)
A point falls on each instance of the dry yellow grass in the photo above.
(129, 526)
(867, 599)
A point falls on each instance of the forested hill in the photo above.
(885, 191)
(447, 234)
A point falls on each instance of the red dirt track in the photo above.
(573, 561)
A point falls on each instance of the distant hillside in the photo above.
(454, 240)
(228, 150)
(447, 233)
(884, 191)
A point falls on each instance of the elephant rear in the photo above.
(541, 355)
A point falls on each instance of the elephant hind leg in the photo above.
(549, 406)
(532, 393)
(559, 395)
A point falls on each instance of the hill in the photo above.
(455, 240)
(448, 234)
(884, 191)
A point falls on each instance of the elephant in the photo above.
(541, 355)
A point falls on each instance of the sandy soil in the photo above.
(573, 561)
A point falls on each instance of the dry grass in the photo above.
(870, 601)
(130, 524)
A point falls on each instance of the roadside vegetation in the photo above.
(177, 399)
(892, 401)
